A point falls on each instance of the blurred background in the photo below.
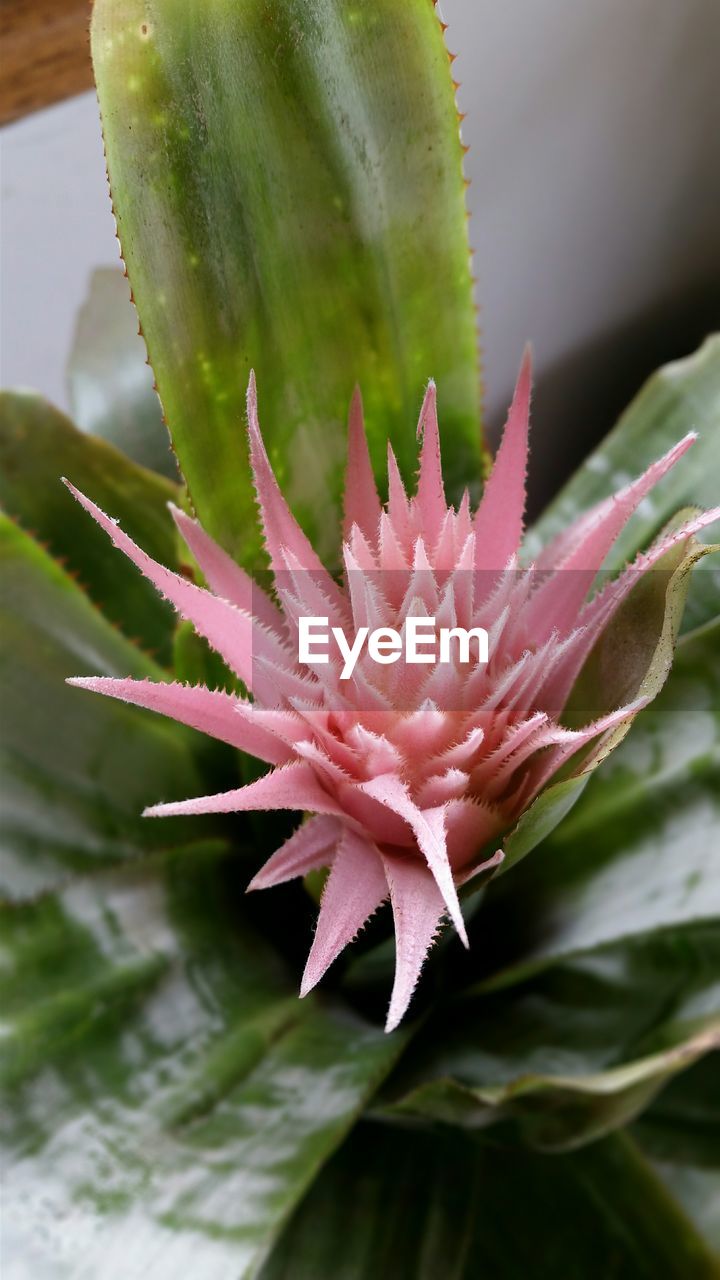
(594, 132)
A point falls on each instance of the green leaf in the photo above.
(287, 182)
(631, 660)
(575, 1051)
(419, 1206)
(109, 381)
(606, 941)
(39, 445)
(681, 397)
(638, 852)
(681, 1134)
(168, 1100)
(77, 769)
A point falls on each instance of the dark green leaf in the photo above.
(681, 1134)
(77, 769)
(576, 1051)
(639, 851)
(168, 1099)
(424, 1206)
(110, 383)
(39, 445)
(287, 181)
(626, 892)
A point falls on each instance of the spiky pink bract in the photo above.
(412, 774)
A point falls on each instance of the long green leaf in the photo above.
(419, 1206)
(681, 1134)
(39, 445)
(576, 1051)
(618, 917)
(681, 397)
(639, 851)
(76, 770)
(630, 661)
(168, 1099)
(287, 182)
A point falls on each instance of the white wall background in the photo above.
(56, 224)
(594, 128)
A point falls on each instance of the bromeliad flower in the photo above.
(412, 773)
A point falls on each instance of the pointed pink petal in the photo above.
(512, 740)
(428, 827)
(289, 726)
(572, 740)
(392, 555)
(294, 786)
(557, 602)
(560, 547)
(361, 550)
(463, 581)
(471, 824)
(362, 504)
(601, 609)
(463, 520)
(375, 819)
(446, 615)
(310, 847)
(354, 890)
(225, 577)
(325, 766)
(576, 545)
(544, 736)
(430, 501)
(229, 630)
(444, 554)
(499, 518)
(421, 583)
(367, 605)
(377, 753)
(280, 526)
(398, 507)
(441, 787)
(313, 598)
(393, 563)
(490, 864)
(418, 909)
(272, 683)
(460, 755)
(337, 750)
(218, 714)
(421, 733)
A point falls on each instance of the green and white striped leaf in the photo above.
(167, 1099)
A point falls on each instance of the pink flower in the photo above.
(412, 773)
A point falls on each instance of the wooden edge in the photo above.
(45, 50)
